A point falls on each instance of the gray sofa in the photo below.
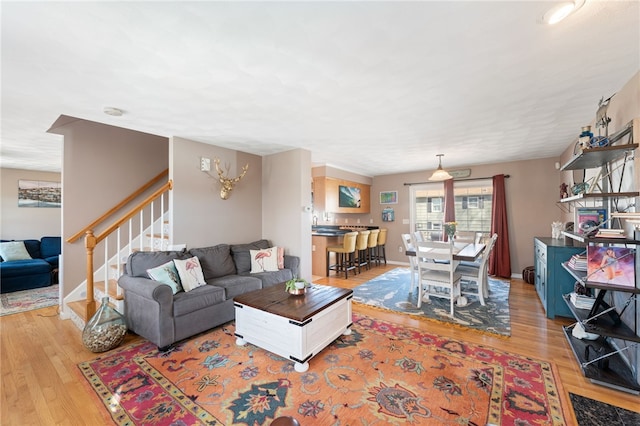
(154, 312)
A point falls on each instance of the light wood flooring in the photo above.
(41, 384)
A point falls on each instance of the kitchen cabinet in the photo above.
(326, 195)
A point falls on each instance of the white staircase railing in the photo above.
(141, 225)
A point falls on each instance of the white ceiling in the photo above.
(370, 87)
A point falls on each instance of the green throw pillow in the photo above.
(166, 274)
(14, 250)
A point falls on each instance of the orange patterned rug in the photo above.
(380, 374)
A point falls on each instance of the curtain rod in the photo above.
(455, 180)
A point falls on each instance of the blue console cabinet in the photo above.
(552, 280)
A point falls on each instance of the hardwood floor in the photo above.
(41, 384)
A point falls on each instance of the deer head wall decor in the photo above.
(227, 183)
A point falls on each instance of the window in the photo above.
(472, 200)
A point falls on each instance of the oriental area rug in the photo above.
(392, 290)
(28, 300)
(380, 374)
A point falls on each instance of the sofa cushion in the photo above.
(271, 278)
(14, 250)
(198, 298)
(166, 274)
(138, 262)
(216, 261)
(242, 257)
(33, 247)
(17, 268)
(235, 285)
(190, 273)
(50, 247)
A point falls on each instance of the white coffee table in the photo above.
(294, 327)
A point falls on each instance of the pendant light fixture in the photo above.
(561, 10)
(440, 174)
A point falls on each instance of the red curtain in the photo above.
(449, 206)
(500, 260)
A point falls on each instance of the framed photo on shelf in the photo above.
(389, 197)
(611, 265)
(589, 220)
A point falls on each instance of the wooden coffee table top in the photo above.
(277, 301)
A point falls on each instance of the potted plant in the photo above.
(296, 286)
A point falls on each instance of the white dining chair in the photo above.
(437, 272)
(413, 263)
(475, 275)
(465, 237)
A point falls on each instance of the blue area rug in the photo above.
(392, 290)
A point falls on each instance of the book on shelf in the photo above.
(580, 301)
(578, 262)
(611, 233)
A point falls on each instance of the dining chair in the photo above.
(344, 255)
(465, 237)
(372, 247)
(437, 272)
(413, 263)
(477, 276)
(362, 242)
(381, 249)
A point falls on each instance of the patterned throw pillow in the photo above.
(190, 273)
(166, 274)
(264, 260)
(14, 250)
(280, 257)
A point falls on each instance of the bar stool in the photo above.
(372, 247)
(362, 243)
(344, 255)
(381, 249)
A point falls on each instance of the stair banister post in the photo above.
(90, 243)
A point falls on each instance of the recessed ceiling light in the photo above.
(116, 112)
(561, 10)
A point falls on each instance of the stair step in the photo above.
(113, 289)
(79, 307)
(165, 236)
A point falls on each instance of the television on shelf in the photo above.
(348, 196)
(611, 265)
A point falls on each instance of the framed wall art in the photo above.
(389, 197)
(388, 215)
(35, 193)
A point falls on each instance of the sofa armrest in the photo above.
(148, 289)
(292, 263)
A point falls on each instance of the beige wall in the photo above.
(286, 204)
(101, 165)
(200, 217)
(21, 223)
(531, 190)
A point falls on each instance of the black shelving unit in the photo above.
(602, 360)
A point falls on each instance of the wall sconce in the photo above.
(227, 184)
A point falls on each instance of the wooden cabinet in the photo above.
(319, 253)
(326, 195)
(552, 280)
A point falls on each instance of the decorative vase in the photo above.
(105, 330)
